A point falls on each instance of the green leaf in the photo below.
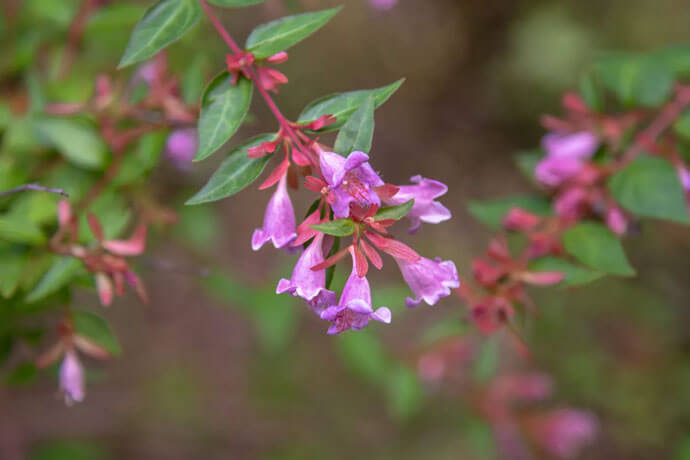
(404, 393)
(491, 213)
(589, 91)
(343, 105)
(651, 187)
(279, 35)
(235, 3)
(682, 125)
(394, 212)
(527, 162)
(61, 272)
(96, 329)
(365, 355)
(162, 24)
(192, 86)
(19, 230)
(23, 374)
(338, 227)
(637, 80)
(11, 270)
(236, 172)
(142, 159)
(486, 363)
(574, 275)
(223, 109)
(78, 142)
(358, 132)
(597, 247)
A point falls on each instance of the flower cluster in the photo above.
(350, 202)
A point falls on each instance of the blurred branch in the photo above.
(35, 187)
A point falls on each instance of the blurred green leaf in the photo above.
(11, 269)
(527, 161)
(95, 328)
(637, 80)
(63, 270)
(404, 392)
(363, 353)
(235, 173)
(492, 212)
(22, 374)
(279, 35)
(343, 105)
(235, 3)
(78, 142)
(162, 24)
(597, 247)
(223, 109)
(574, 275)
(193, 82)
(338, 227)
(590, 92)
(274, 317)
(18, 229)
(69, 450)
(199, 227)
(141, 159)
(651, 187)
(486, 365)
(358, 132)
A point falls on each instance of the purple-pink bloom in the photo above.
(425, 208)
(354, 311)
(684, 178)
(181, 147)
(565, 155)
(72, 378)
(429, 280)
(351, 180)
(305, 282)
(564, 432)
(383, 5)
(279, 220)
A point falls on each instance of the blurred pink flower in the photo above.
(563, 432)
(181, 147)
(383, 5)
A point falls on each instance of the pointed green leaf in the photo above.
(651, 187)
(235, 173)
(492, 212)
(77, 141)
(343, 105)
(394, 212)
(637, 80)
(96, 329)
(18, 229)
(338, 227)
(279, 35)
(358, 132)
(162, 24)
(61, 272)
(597, 247)
(235, 3)
(574, 275)
(223, 109)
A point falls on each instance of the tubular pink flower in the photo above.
(305, 282)
(565, 156)
(354, 311)
(72, 378)
(279, 220)
(425, 208)
(351, 180)
(429, 280)
(564, 432)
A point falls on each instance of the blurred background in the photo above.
(218, 366)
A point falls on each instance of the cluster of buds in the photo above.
(350, 202)
(270, 79)
(71, 374)
(106, 259)
(506, 402)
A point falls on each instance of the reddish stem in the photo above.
(249, 69)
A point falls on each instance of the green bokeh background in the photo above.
(220, 367)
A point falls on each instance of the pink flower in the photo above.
(305, 282)
(354, 311)
(181, 147)
(72, 378)
(425, 208)
(279, 220)
(563, 432)
(383, 5)
(351, 181)
(429, 280)
(565, 155)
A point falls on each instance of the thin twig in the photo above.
(35, 187)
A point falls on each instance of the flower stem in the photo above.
(32, 186)
(251, 71)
